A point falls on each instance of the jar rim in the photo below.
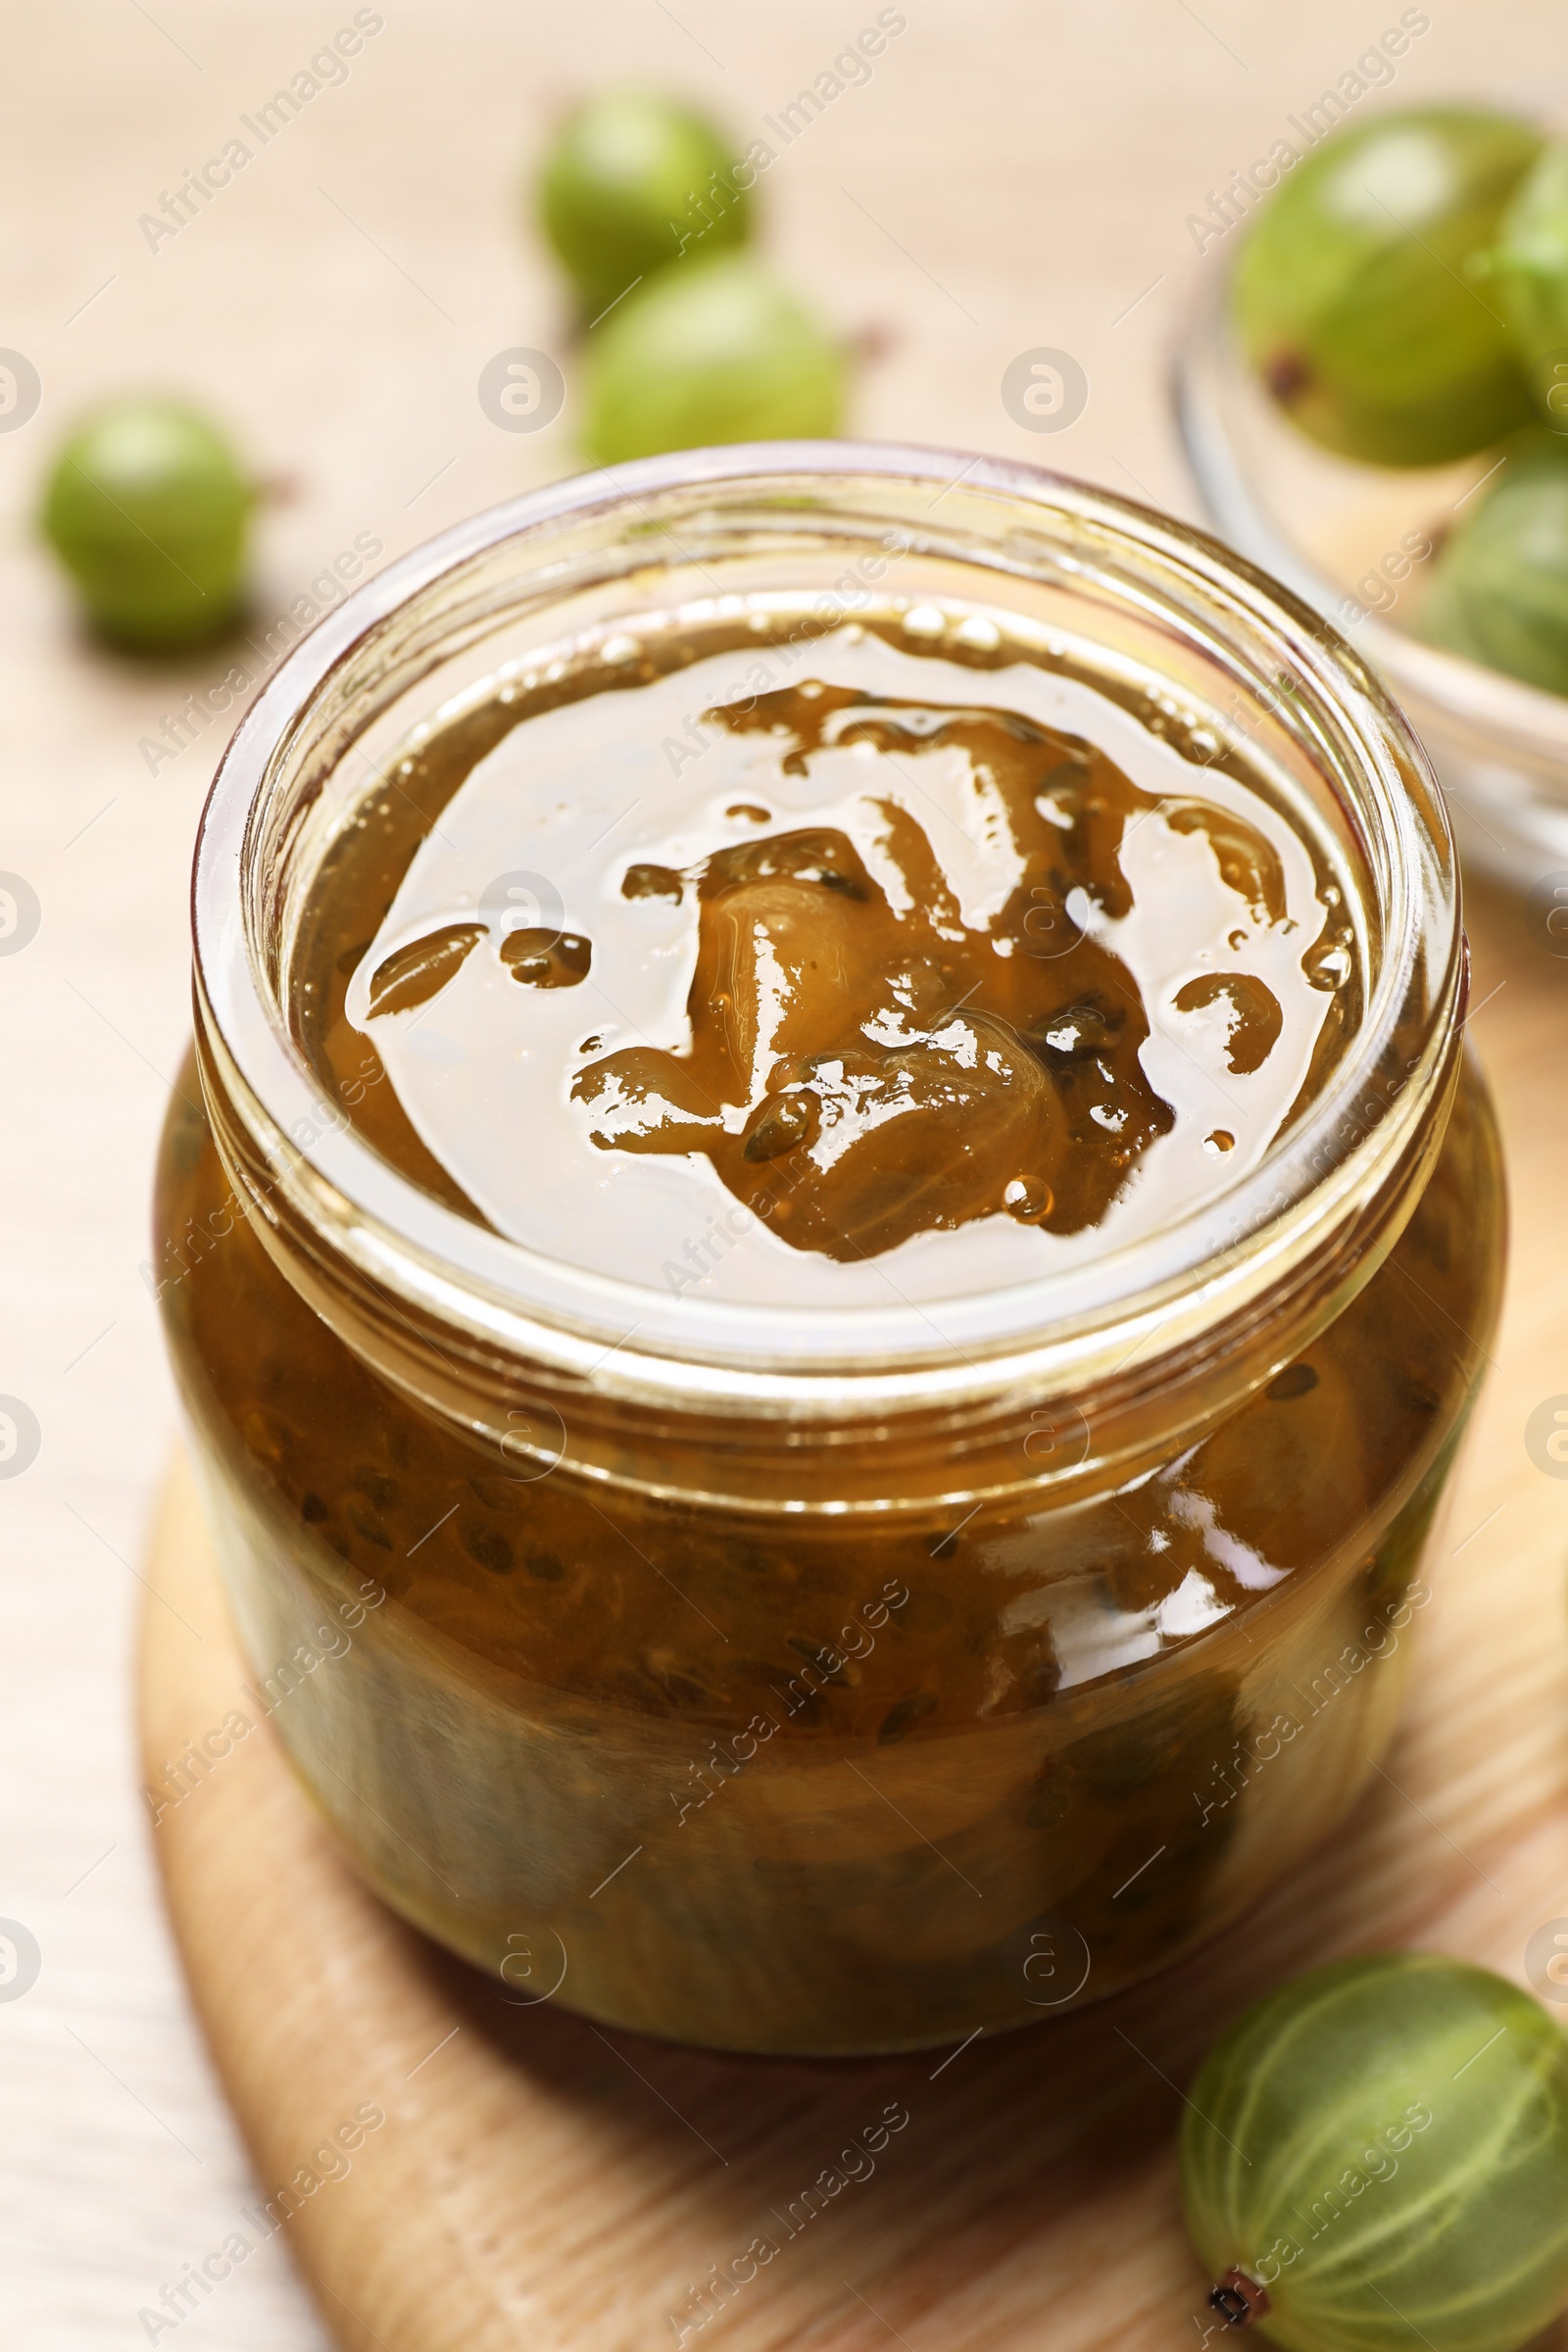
(1052, 1334)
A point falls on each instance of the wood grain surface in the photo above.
(537, 2181)
(1017, 174)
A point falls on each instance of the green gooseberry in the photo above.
(148, 510)
(715, 352)
(1527, 275)
(1498, 591)
(1375, 2157)
(633, 181)
(1351, 296)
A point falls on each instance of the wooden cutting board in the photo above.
(537, 2182)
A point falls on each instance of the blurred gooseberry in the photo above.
(1527, 273)
(147, 509)
(632, 181)
(1498, 591)
(1352, 296)
(718, 352)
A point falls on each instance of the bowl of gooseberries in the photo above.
(1373, 395)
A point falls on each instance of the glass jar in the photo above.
(794, 1681)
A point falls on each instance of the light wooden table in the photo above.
(1012, 175)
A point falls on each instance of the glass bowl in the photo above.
(1358, 541)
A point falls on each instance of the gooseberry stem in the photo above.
(1239, 2300)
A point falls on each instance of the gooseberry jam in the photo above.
(890, 952)
(886, 1253)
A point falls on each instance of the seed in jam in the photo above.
(547, 958)
(780, 1122)
(418, 972)
(651, 882)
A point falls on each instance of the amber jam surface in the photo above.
(946, 973)
(772, 969)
